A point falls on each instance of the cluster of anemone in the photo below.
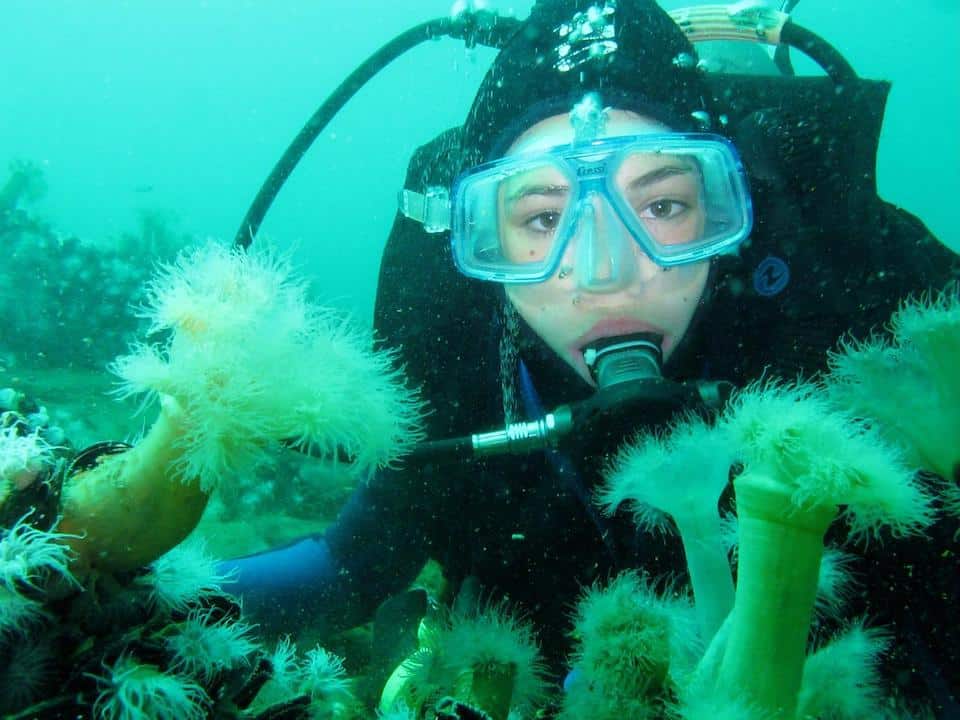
(204, 643)
(803, 464)
(242, 363)
(807, 454)
(318, 676)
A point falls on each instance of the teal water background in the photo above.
(184, 105)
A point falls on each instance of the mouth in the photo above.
(612, 327)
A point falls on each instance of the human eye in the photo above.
(663, 209)
(544, 222)
(539, 211)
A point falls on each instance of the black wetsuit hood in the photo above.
(633, 55)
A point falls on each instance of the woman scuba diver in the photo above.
(603, 191)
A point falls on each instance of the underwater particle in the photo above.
(132, 691)
(703, 118)
(26, 553)
(202, 647)
(184, 575)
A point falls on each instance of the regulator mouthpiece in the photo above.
(624, 358)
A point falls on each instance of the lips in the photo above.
(613, 327)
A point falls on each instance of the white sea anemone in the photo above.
(185, 574)
(805, 463)
(285, 670)
(253, 362)
(135, 691)
(495, 635)
(324, 679)
(27, 553)
(825, 457)
(494, 648)
(202, 646)
(22, 453)
(26, 669)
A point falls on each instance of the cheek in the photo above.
(546, 307)
(550, 297)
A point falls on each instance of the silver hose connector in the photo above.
(522, 437)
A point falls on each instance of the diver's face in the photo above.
(571, 310)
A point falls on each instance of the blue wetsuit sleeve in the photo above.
(336, 580)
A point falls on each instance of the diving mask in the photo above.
(681, 197)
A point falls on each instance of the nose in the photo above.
(603, 253)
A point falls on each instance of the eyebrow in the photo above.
(648, 178)
(525, 190)
(658, 174)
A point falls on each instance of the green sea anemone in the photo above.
(323, 677)
(803, 460)
(841, 679)
(910, 386)
(629, 644)
(22, 457)
(681, 474)
(17, 613)
(253, 362)
(489, 660)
